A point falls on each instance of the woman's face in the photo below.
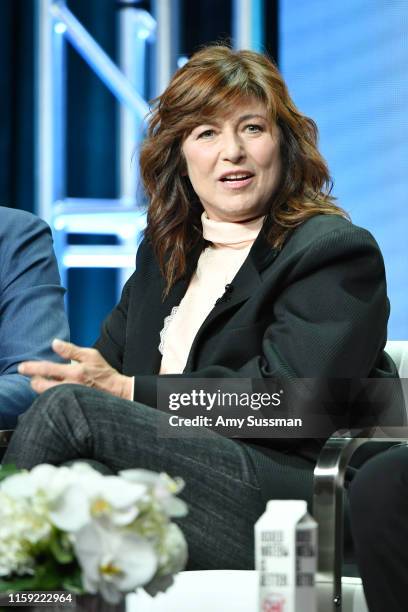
(234, 164)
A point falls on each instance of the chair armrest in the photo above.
(5, 435)
(328, 501)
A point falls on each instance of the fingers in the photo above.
(68, 350)
(46, 369)
(47, 374)
(40, 384)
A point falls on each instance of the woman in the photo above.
(248, 269)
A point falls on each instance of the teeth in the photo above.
(236, 177)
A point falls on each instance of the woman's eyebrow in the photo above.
(251, 116)
(216, 122)
(207, 122)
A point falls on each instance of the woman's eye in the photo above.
(206, 134)
(253, 128)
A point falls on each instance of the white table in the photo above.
(227, 590)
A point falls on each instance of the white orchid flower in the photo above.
(94, 496)
(18, 486)
(51, 481)
(113, 562)
(46, 481)
(162, 487)
(70, 511)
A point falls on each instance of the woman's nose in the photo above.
(232, 148)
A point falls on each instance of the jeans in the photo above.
(73, 422)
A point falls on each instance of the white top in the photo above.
(216, 267)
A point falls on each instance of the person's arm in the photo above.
(90, 367)
(31, 307)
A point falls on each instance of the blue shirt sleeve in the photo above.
(31, 306)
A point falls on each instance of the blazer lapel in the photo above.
(245, 283)
(248, 278)
(153, 313)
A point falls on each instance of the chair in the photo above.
(328, 498)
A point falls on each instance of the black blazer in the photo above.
(317, 308)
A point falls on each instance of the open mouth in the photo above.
(230, 178)
(238, 179)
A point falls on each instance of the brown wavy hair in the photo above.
(217, 77)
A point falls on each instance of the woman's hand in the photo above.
(90, 370)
